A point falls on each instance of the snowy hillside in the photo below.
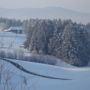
(24, 81)
(13, 78)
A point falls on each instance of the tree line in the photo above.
(63, 39)
(5, 23)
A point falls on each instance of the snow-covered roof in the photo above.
(15, 28)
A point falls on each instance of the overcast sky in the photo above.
(77, 5)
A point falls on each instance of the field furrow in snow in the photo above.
(80, 80)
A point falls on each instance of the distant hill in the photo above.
(45, 13)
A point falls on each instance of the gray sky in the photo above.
(77, 5)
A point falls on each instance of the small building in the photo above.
(15, 29)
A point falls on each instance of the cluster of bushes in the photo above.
(17, 54)
(5, 23)
(20, 55)
(45, 59)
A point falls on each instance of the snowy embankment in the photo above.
(65, 66)
(80, 79)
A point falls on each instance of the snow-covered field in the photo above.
(11, 78)
(12, 43)
(11, 40)
(23, 81)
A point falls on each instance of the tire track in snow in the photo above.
(29, 72)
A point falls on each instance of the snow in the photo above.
(66, 66)
(15, 28)
(11, 40)
(12, 43)
(80, 78)
(20, 80)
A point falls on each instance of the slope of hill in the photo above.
(23, 81)
(49, 12)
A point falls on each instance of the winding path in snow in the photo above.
(29, 72)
